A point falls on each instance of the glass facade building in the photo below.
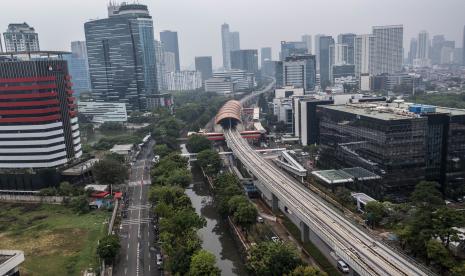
(121, 54)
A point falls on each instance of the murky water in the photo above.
(215, 235)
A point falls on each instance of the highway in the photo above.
(137, 231)
(363, 253)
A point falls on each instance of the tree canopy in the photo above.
(198, 143)
(203, 263)
(108, 248)
(270, 258)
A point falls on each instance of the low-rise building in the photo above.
(10, 260)
(102, 112)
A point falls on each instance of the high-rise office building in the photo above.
(230, 42)
(160, 61)
(325, 66)
(364, 49)
(292, 48)
(463, 47)
(1, 46)
(265, 54)
(204, 66)
(308, 40)
(300, 72)
(183, 80)
(79, 67)
(38, 116)
(21, 38)
(338, 54)
(246, 60)
(436, 48)
(317, 51)
(423, 46)
(169, 62)
(121, 53)
(235, 41)
(349, 40)
(412, 54)
(389, 48)
(169, 39)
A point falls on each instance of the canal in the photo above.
(215, 236)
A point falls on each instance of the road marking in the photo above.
(149, 267)
(128, 244)
(125, 271)
(127, 257)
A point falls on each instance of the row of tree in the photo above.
(178, 221)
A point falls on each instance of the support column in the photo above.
(274, 203)
(304, 232)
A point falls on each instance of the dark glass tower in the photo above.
(170, 44)
(325, 42)
(121, 55)
(246, 60)
(204, 66)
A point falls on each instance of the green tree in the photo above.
(162, 150)
(210, 161)
(426, 195)
(270, 258)
(181, 177)
(110, 171)
(445, 220)
(108, 248)
(49, 191)
(198, 143)
(203, 263)
(374, 212)
(80, 204)
(439, 254)
(245, 215)
(307, 271)
(235, 201)
(458, 270)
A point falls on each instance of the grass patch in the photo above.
(55, 240)
(316, 254)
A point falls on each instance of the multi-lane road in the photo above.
(363, 253)
(137, 254)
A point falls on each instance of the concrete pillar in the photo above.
(304, 231)
(274, 203)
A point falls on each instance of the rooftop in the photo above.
(346, 175)
(9, 260)
(375, 111)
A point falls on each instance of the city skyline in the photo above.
(253, 29)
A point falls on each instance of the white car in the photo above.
(159, 261)
(342, 266)
(260, 220)
(275, 239)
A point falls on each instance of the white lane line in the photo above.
(127, 257)
(125, 271)
(128, 244)
(149, 267)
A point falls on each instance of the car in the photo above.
(275, 239)
(159, 261)
(260, 220)
(342, 266)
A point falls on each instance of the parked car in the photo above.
(275, 239)
(342, 266)
(159, 261)
(260, 219)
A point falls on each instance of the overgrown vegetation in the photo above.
(55, 239)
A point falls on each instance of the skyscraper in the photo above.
(38, 118)
(235, 41)
(121, 53)
(21, 38)
(79, 67)
(1, 46)
(436, 48)
(265, 54)
(388, 48)
(308, 40)
(338, 54)
(160, 61)
(246, 60)
(349, 40)
(230, 42)
(463, 47)
(169, 62)
(364, 49)
(317, 51)
(226, 43)
(170, 44)
(291, 48)
(325, 67)
(412, 54)
(423, 45)
(204, 66)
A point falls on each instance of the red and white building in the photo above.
(38, 113)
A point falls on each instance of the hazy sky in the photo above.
(260, 22)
